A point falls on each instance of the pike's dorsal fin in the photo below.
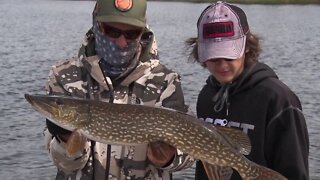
(237, 138)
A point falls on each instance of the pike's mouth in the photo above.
(40, 104)
(29, 98)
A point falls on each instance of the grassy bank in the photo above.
(254, 1)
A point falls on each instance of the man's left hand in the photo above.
(160, 153)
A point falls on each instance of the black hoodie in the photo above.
(268, 111)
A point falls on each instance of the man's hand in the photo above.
(74, 143)
(160, 153)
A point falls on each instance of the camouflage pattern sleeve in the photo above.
(59, 78)
(67, 79)
(172, 97)
(52, 87)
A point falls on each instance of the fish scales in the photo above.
(125, 124)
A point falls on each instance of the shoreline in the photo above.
(265, 2)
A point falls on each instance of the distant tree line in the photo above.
(253, 1)
(246, 1)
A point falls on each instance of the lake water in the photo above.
(37, 33)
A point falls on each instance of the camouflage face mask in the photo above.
(116, 60)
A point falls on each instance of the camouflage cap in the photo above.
(132, 12)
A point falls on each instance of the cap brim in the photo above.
(228, 49)
(121, 19)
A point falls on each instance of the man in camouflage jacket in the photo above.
(147, 83)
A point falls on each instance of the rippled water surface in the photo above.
(36, 34)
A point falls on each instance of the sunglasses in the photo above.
(116, 33)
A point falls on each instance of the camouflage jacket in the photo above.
(150, 83)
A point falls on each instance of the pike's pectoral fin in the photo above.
(266, 173)
(236, 138)
(75, 143)
(217, 172)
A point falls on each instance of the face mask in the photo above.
(116, 60)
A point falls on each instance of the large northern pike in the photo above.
(125, 124)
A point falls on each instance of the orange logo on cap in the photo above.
(123, 5)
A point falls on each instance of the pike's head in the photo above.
(67, 112)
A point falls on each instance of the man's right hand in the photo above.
(74, 142)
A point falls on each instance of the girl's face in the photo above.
(225, 70)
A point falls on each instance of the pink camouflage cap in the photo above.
(222, 30)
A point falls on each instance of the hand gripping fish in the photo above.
(125, 124)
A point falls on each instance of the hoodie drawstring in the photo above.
(221, 98)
